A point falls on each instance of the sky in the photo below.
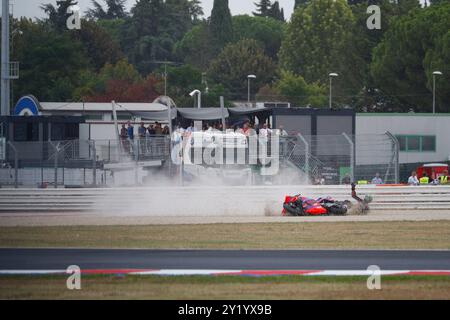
(30, 8)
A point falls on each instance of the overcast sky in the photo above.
(30, 8)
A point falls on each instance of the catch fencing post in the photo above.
(16, 164)
(306, 154)
(55, 163)
(137, 146)
(352, 156)
(395, 155)
(94, 164)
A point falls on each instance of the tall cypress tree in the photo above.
(221, 26)
(275, 12)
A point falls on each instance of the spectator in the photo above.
(264, 132)
(123, 132)
(130, 131)
(377, 179)
(158, 129)
(245, 129)
(444, 178)
(151, 130)
(191, 128)
(413, 180)
(142, 131)
(166, 131)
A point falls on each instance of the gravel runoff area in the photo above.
(87, 218)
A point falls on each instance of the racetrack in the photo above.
(55, 259)
(96, 219)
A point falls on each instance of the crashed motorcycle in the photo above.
(303, 206)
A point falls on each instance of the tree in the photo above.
(119, 82)
(220, 26)
(99, 45)
(262, 8)
(151, 32)
(267, 31)
(195, 11)
(57, 16)
(416, 45)
(300, 3)
(276, 12)
(318, 41)
(115, 9)
(297, 91)
(50, 62)
(236, 62)
(186, 78)
(196, 47)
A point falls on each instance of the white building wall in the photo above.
(411, 124)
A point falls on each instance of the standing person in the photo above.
(123, 137)
(413, 180)
(377, 179)
(151, 130)
(123, 132)
(130, 130)
(158, 129)
(142, 134)
(425, 179)
(142, 131)
(444, 178)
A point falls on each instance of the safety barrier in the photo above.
(194, 201)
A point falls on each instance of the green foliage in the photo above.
(268, 32)
(300, 93)
(99, 45)
(115, 10)
(276, 12)
(184, 79)
(196, 47)
(415, 46)
(266, 9)
(57, 16)
(262, 8)
(221, 26)
(51, 62)
(151, 32)
(239, 60)
(318, 41)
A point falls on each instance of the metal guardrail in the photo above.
(256, 199)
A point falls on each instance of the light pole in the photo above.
(435, 73)
(249, 77)
(199, 99)
(5, 65)
(332, 75)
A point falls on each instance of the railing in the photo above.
(217, 200)
(318, 159)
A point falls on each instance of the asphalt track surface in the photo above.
(45, 259)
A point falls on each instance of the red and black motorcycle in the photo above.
(303, 206)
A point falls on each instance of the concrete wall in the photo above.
(410, 124)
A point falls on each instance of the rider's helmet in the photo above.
(368, 199)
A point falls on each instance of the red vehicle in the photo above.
(437, 168)
(303, 206)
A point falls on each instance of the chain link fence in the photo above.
(323, 159)
(342, 159)
(74, 163)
